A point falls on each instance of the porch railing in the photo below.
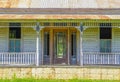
(101, 58)
(22, 58)
(89, 58)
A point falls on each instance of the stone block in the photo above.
(61, 73)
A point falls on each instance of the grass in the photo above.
(51, 80)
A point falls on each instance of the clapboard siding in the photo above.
(91, 40)
(29, 39)
(116, 40)
(3, 39)
(72, 4)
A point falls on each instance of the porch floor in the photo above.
(60, 66)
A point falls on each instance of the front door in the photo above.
(60, 47)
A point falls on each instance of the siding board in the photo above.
(29, 40)
(91, 40)
(116, 40)
(3, 39)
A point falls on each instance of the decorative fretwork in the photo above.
(92, 23)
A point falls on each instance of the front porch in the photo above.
(60, 43)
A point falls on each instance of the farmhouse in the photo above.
(59, 32)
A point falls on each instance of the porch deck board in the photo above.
(60, 66)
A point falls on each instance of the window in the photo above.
(105, 37)
(46, 44)
(73, 44)
(14, 37)
(60, 44)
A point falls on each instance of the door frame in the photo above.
(68, 31)
(65, 58)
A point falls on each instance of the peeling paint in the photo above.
(9, 3)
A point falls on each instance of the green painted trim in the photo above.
(60, 20)
(86, 22)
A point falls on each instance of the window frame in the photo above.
(109, 38)
(73, 55)
(15, 38)
(46, 55)
(107, 49)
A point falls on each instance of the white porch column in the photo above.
(81, 29)
(81, 50)
(37, 49)
(37, 28)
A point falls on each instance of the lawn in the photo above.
(46, 80)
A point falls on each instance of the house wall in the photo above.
(28, 39)
(4, 38)
(59, 3)
(116, 40)
(74, 4)
(91, 40)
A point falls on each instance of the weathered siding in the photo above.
(4, 39)
(116, 40)
(66, 4)
(59, 3)
(91, 40)
(29, 39)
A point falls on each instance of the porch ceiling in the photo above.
(59, 13)
(46, 16)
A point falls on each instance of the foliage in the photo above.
(53, 80)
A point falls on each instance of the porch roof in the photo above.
(59, 13)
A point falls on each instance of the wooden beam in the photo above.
(42, 45)
(68, 46)
(78, 47)
(51, 46)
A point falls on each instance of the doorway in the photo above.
(60, 47)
